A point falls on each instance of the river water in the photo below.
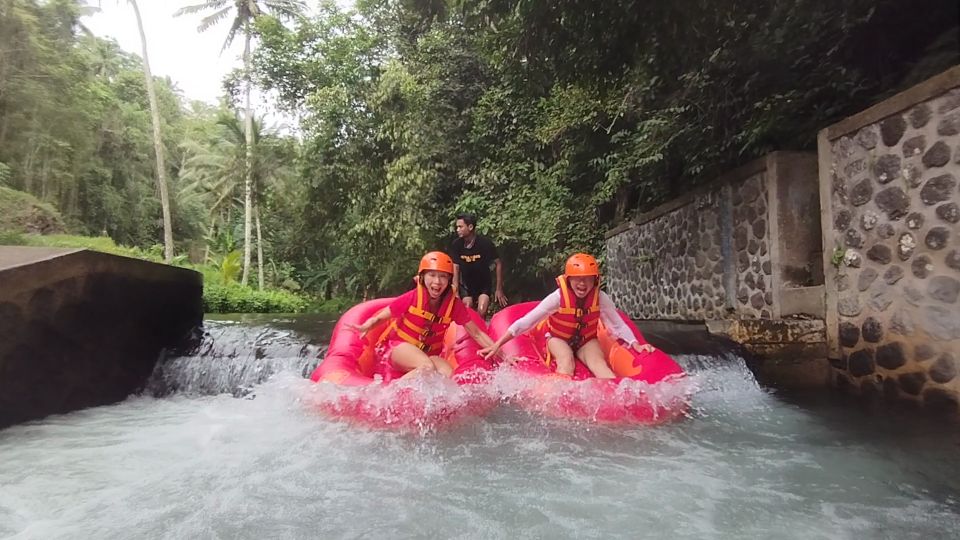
(224, 444)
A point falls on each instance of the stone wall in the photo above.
(79, 328)
(889, 189)
(716, 253)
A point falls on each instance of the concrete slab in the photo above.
(13, 256)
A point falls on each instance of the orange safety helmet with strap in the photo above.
(419, 326)
(578, 319)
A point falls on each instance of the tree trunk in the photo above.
(157, 142)
(256, 214)
(248, 165)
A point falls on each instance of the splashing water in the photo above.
(746, 463)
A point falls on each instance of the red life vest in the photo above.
(422, 328)
(577, 320)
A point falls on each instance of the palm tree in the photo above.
(245, 13)
(213, 171)
(157, 140)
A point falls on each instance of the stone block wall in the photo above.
(716, 254)
(889, 189)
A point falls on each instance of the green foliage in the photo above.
(230, 266)
(836, 258)
(22, 212)
(231, 297)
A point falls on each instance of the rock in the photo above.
(890, 356)
(938, 189)
(852, 259)
(761, 283)
(914, 220)
(920, 115)
(951, 100)
(867, 138)
(912, 383)
(891, 130)
(861, 363)
(880, 299)
(752, 247)
(853, 238)
(937, 156)
(760, 228)
(887, 168)
(750, 280)
(885, 230)
(937, 238)
(912, 175)
(862, 192)
(839, 363)
(879, 253)
(743, 261)
(902, 323)
(945, 289)
(867, 275)
(854, 168)
(740, 238)
(942, 323)
(922, 266)
(871, 330)
(912, 295)
(843, 282)
(905, 246)
(949, 125)
(841, 220)
(766, 267)
(949, 212)
(756, 301)
(893, 201)
(869, 220)
(768, 298)
(849, 334)
(849, 306)
(953, 260)
(913, 146)
(944, 369)
(923, 351)
(893, 275)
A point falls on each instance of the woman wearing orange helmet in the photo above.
(420, 319)
(571, 316)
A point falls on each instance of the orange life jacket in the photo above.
(422, 328)
(577, 320)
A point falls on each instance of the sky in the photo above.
(191, 59)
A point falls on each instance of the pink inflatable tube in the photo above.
(363, 393)
(586, 397)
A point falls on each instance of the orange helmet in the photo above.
(436, 260)
(581, 264)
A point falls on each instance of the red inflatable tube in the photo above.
(350, 366)
(586, 397)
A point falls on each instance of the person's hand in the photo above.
(501, 298)
(487, 352)
(361, 329)
(511, 360)
(645, 348)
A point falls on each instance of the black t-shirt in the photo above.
(475, 261)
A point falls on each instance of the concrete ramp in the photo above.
(80, 328)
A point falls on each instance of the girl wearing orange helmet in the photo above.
(420, 319)
(570, 317)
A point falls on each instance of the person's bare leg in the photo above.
(483, 303)
(562, 354)
(442, 366)
(411, 359)
(592, 356)
(468, 301)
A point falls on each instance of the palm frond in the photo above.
(197, 8)
(213, 19)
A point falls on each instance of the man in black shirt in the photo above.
(472, 255)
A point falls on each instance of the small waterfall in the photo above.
(232, 358)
